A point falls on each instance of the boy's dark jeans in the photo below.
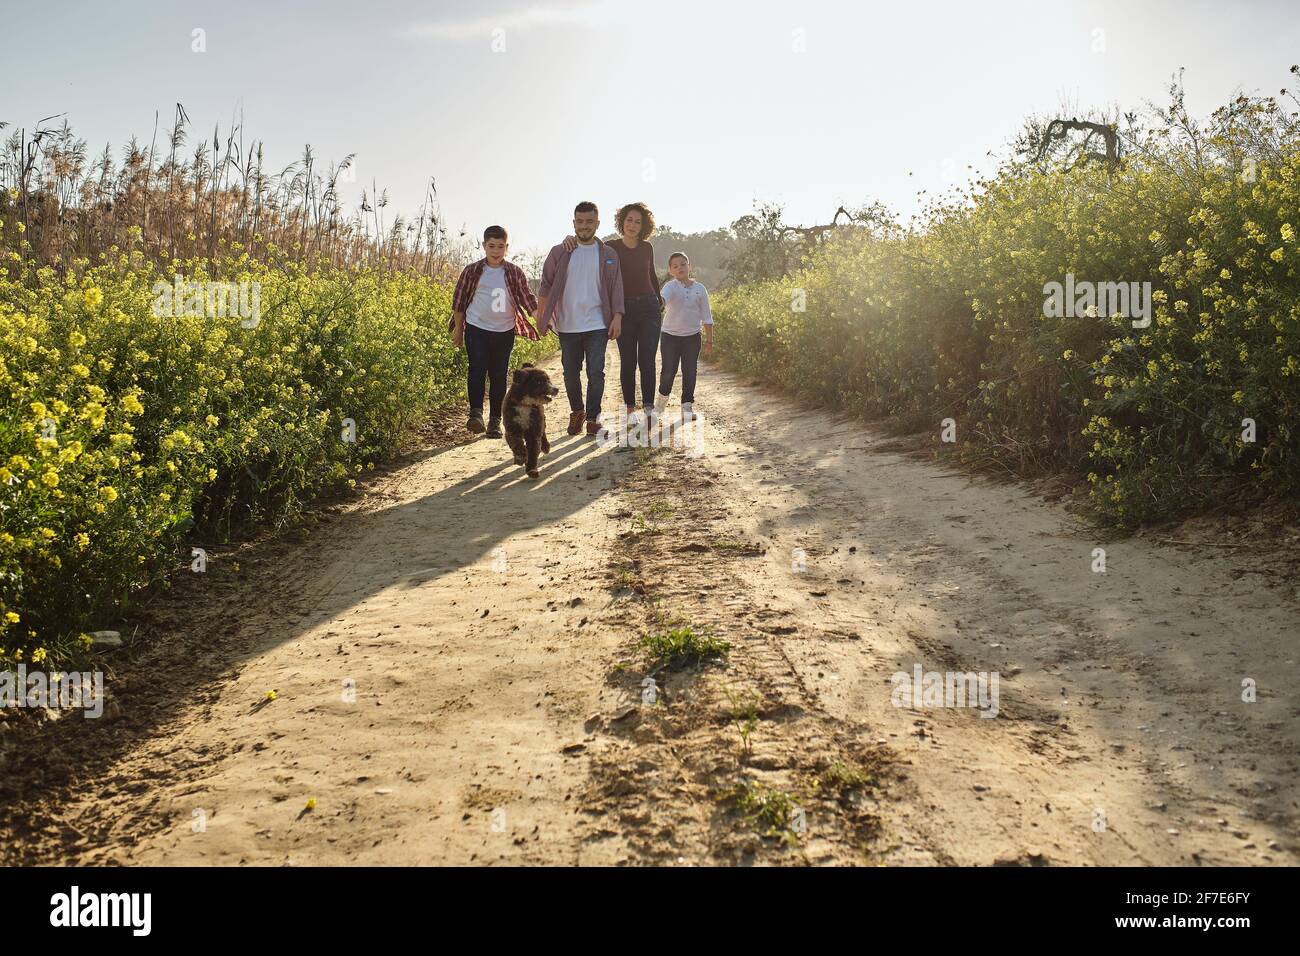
(489, 359)
(575, 348)
(686, 350)
(637, 343)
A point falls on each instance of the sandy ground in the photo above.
(1122, 735)
(457, 676)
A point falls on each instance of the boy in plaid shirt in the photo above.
(488, 311)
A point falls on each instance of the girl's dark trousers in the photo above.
(637, 343)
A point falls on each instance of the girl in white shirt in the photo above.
(686, 317)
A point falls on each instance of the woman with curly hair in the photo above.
(638, 340)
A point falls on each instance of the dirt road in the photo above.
(456, 674)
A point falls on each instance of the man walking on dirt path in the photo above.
(581, 295)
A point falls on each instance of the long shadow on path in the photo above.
(210, 625)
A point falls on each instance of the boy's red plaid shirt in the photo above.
(516, 282)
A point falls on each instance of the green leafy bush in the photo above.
(122, 428)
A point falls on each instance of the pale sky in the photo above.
(697, 108)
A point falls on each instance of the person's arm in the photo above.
(616, 300)
(654, 278)
(544, 292)
(707, 323)
(522, 300)
(543, 326)
(669, 292)
(667, 295)
(529, 303)
(459, 304)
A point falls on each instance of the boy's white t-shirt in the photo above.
(491, 308)
(580, 309)
(686, 308)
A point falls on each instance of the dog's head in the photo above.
(532, 385)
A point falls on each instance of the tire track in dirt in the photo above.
(732, 763)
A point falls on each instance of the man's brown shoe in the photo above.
(575, 422)
(593, 428)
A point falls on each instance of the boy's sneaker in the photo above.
(494, 428)
(575, 422)
(475, 423)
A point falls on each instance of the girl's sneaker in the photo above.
(634, 427)
(688, 411)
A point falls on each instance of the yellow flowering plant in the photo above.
(125, 426)
(949, 317)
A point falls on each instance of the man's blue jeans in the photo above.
(575, 348)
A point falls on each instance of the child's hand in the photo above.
(708, 349)
(458, 336)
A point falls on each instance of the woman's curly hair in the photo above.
(647, 219)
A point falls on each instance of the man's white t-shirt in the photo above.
(580, 309)
(491, 307)
(686, 308)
